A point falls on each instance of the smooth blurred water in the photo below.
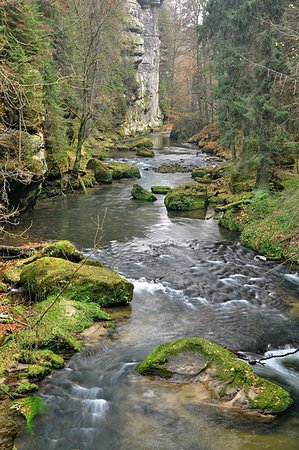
(191, 279)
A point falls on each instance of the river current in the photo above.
(190, 279)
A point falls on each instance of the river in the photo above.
(191, 279)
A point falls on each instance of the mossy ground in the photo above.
(270, 223)
(39, 335)
(232, 373)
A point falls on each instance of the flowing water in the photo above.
(191, 279)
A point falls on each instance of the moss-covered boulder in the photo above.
(123, 170)
(145, 153)
(101, 172)
(139, 193)
(142, 143)
(62, 249)
(79, 282)
(160, 189)
(230, 382)
(187, 197)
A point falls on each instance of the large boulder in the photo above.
(145, 153)
(229, 381)
(79, 281)
(123, 170)
(139, 193)
(187, 197)
(101, 172)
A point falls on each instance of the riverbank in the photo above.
(268, 222)
(46, 315)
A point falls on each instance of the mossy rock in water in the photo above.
(62, 249)
(101, 172)
(160, 189)
(139, 193)
(186, 198)
(230, 381)
(123, 170)
(145, 153)
(80, 282)
(141, 143)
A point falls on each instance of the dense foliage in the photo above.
(237, 61)
(62, 71)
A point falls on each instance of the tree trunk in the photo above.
(80, 142)
(262, 176)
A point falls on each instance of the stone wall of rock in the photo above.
(143, 47)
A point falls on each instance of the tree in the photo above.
(253, 71)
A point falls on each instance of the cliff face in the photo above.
(143, 48)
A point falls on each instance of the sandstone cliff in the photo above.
(143, 37)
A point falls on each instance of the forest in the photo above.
(149, 224)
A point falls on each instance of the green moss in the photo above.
(62, 249)
(42, 357)
(30, 408)
(139, 193)
(25, 388)
(12, 276)
(141, 143)
(145, 153)
(123, 170)
(101, 172)
(269, 224)
(37, 372)
(160, 189)
(186, 198)
(88, 179)
(84, 283)
(3, 287)
(232, 373)
(206, 172)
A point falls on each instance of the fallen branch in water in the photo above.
(252, 360)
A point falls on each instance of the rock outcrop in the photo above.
(23, 167)
(143, 48)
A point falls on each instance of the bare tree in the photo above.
(92, 19)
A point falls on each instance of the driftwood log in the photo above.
(233, 205)
(11, 252)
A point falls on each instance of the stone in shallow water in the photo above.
(187, 197)
(231, 382)
(139, 193)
